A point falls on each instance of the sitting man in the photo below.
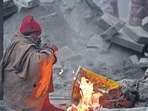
(26, 70)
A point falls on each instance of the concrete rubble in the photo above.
(110, 32)
(123, 40)
(27, 3)
(13, 6)
(136, 33)
(134, 59)
(110, 24)
(143, 89)
(9, 8)
(131, 37)
(137, 85)
(143, 62)
(145, 23)
(94, 7)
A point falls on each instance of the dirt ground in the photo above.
(72, 23)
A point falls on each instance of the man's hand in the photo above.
(53, 47)
(50, 46)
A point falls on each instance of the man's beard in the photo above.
(37, 39)
(38, 42)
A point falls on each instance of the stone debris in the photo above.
(8, 3)
(145, 23)
(9, 8)
(110, 24)
(27, 3)
(134, 59)
(107, 20)
(49, 1)
(136, 33)
(140, 85)
(111, 31)
(94, 7)
(123, 40)
(103, 24)
(129, 83)
(143, 90)
(143, 62)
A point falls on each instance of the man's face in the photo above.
(37, 37)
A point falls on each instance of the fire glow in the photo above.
(89, 99)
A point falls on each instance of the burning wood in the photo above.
(100, 82)
(94, 97)
(89, 100)
(119, 98)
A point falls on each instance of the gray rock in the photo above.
(10, 10)
(27, 3)
(94, 7)
(111, 31)
(103, 24)
(143, 90)
(143, 62)
(139, 85)
(136, 33)
(129, 83)
(134, 59)
(8, 4)
(110, 24)
(107, 20)
(145, 23)
(49, 1)
(125, 41)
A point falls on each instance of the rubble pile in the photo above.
(27, 3)
(131, 37)
(9, 8)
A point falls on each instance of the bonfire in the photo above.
(89, 99)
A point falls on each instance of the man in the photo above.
(138, 10)
(26, 70)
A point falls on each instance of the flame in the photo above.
(89, 100)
